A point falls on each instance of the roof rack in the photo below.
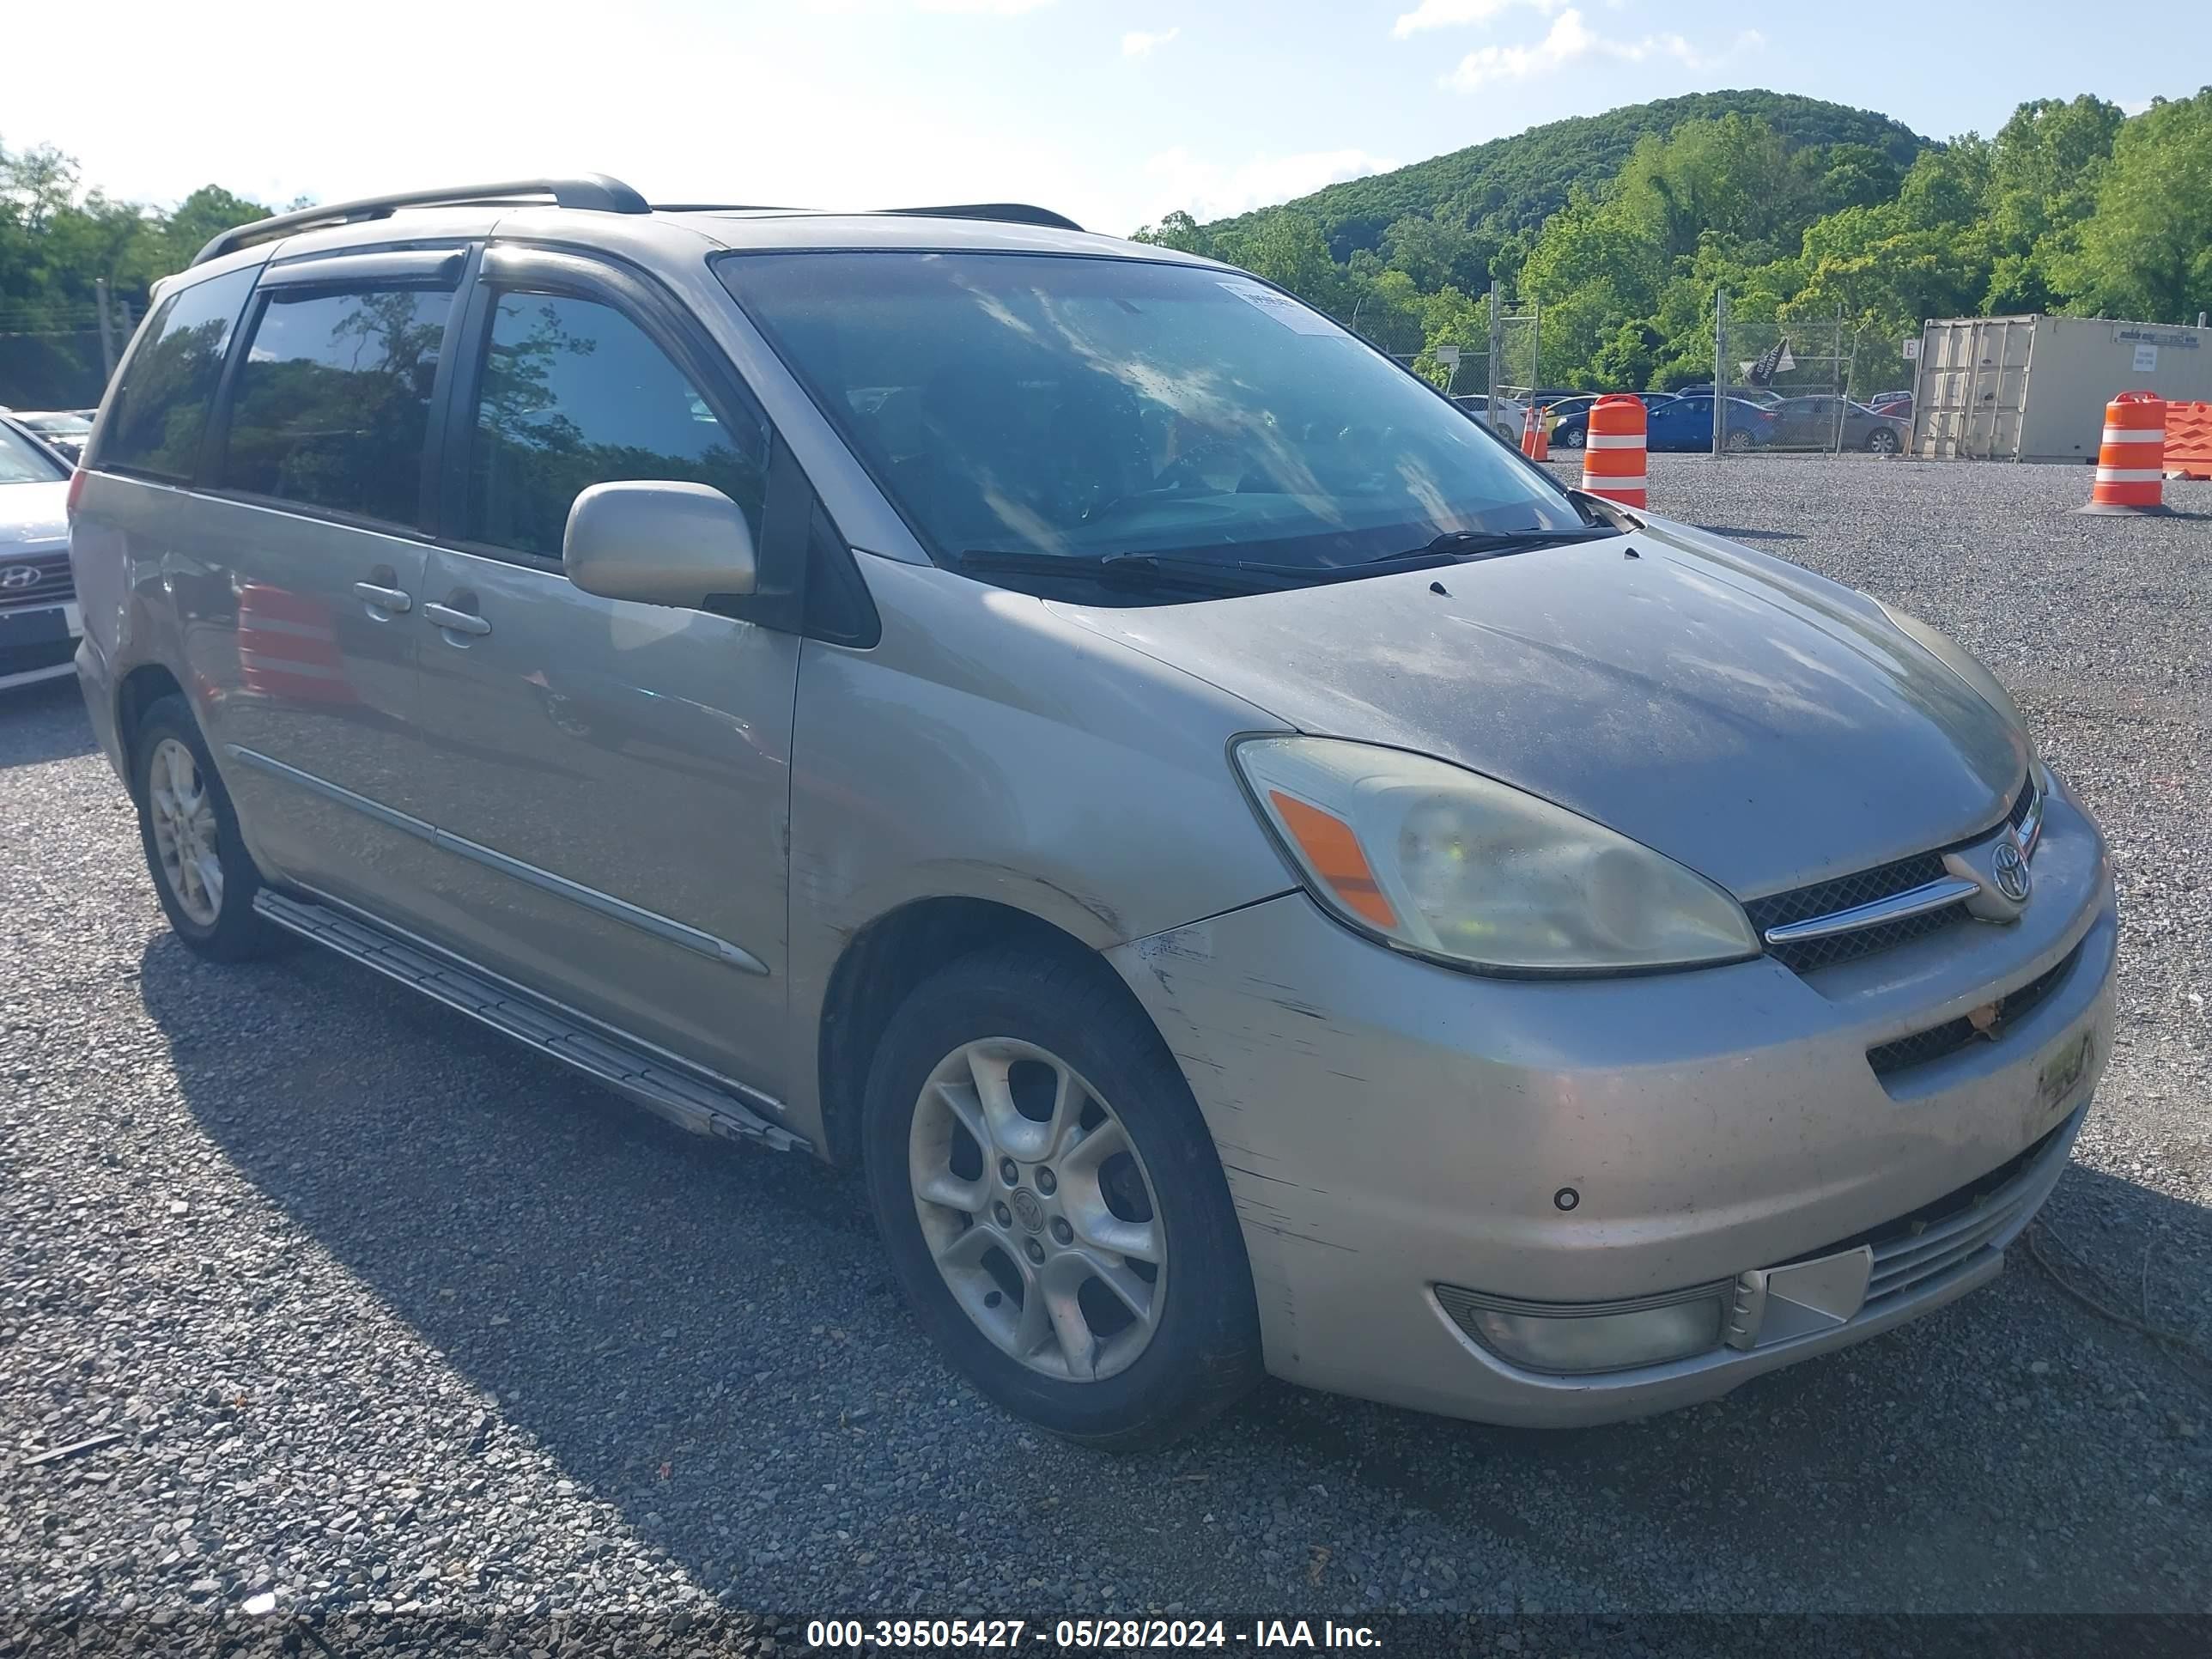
(592, 190)
(1012, 213)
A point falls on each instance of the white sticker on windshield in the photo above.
(1299, 318)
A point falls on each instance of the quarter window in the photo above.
(160, 408)
(333, 400)
(574, 394)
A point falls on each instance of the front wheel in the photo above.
(1052, 1203)
(1881, 442)
(1572, 438)
(202, 872)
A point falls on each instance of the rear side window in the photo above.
(574, 394)
(160, 408)
(333, 403)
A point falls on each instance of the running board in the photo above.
(689, 1103)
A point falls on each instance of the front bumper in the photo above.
(1389, 1127)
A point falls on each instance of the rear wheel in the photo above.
(1572, 437)
(1738, 441)
(202, 872)
(1052, 1203)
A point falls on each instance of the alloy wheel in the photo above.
(1037, 1211)
(184, 835)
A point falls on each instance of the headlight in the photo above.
(1443, 861)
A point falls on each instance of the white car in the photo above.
(39, 625)
(1507, 417)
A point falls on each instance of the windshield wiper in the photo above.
(1465, 546)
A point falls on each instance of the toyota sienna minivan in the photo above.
(1256, 877)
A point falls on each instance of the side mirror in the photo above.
(680, 544)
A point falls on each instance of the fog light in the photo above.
(1594, 1336)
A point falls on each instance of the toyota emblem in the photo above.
(2009, 871)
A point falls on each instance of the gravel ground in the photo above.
(379, 1313)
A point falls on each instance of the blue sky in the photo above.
(1112, 112)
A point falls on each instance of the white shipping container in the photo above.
(2034, 388)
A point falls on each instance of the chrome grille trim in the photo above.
(1934, 895)
(50, 584)
(1846, 917)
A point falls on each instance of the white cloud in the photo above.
(1211, 190)
(1571, 39)
(1138, 44)
(1446, 14)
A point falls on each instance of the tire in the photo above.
(1572, 438)
(1153, 1380)
(1881, 442)
(1737, 441)
(212, 912)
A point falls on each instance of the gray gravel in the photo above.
(388, 1314)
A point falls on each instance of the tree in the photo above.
(2146, 250)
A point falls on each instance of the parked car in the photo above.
(1686, 423)
(1252, 875)
(1504, 416)
(1572, 429)
(38, 621)
(1766, 397)
(61, 429)
(1825, 422)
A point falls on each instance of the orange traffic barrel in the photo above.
(1613, 455)
(2131, 459)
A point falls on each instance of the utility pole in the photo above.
(1720, 371)
(106, 333)
(1497, 351)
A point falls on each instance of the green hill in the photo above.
(1514, 183)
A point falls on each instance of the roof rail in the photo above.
(1012, 213)
(592, 190)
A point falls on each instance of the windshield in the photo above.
(1079, 408)
(23, 462)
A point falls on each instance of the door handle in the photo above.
(457, 622)
(391, 600)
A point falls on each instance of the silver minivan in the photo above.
(1257, 877)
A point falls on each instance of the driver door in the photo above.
(613, 778)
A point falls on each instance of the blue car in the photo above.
(1687, 423)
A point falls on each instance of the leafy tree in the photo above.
(2146, 250)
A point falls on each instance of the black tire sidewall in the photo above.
(237, 931)
(1205, 1350)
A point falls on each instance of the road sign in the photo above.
(1448, 354)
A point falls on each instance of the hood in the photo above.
(1748, 719)
(34, 514)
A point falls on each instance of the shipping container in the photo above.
(2034, 388)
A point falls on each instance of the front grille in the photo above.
(1952, 1034)
(1958, 1225)
(1825, 898)
(1949, 1231)
(48, 584)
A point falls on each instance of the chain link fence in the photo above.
(1790, 386)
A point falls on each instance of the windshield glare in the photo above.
(1084, 407)
(23, 463)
